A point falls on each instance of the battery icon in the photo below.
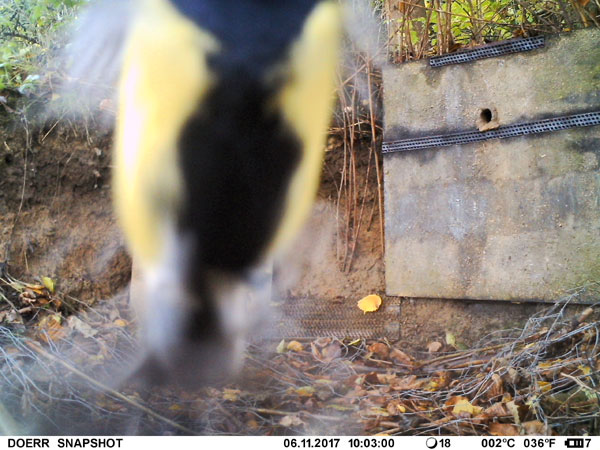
(574, 443)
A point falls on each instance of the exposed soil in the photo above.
(55, 208)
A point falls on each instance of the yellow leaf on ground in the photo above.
(340, 407)
(231, 394)
(374, 411)
(547, 364)
(295, 346)
(433, 385)
(395, 408)
(120, 323)
(281, 346)
(39, 289)
(48, 283)
(370, 303)
(450, 339)
(544, 386)
(305, 391)
(462, 406)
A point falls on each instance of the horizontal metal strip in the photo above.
(540, 126)
(347, 309)
(310, 318)
(489, 51)
(341, 329)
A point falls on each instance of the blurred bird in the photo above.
(223, 107)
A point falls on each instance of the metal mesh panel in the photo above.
(311, 318)
(540, 126)
(489, 51)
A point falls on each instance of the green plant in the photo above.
(30, 32)
(419, 28)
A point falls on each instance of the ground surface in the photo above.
(55, 209)
(56, 221)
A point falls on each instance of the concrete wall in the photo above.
(512, 219)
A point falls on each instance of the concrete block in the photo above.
(513, 219)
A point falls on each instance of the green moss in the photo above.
(584, 274)
(573, 77)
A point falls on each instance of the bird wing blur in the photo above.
(223, 109)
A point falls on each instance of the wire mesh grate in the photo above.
(312, 318)
(540, 126)
(489, 51)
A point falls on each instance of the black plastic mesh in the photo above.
(540, 126)
(489, 51)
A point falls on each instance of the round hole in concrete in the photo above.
(488, 119)
(486, 115)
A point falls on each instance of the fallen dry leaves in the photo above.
(376, 387)
(523, 386)
(380, 349)
(503, 429)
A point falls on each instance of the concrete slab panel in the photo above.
(513, 219)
